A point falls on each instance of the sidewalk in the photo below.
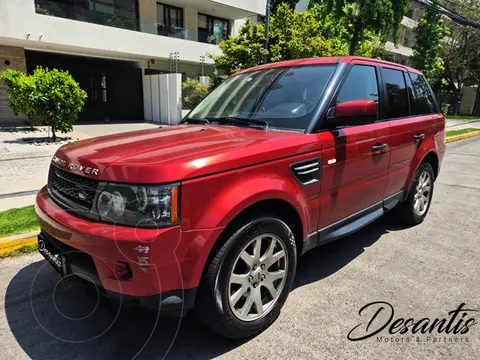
(24, 164)
(462, 124)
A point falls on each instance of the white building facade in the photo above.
(111, 46)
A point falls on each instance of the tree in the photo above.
(19, 86)
(293, 35)
(429, 35)
(380, 17)
(461, 52)
(48, 97)
(274, 5)
(192, 93)
(242, 51)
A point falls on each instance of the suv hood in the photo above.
(177, 153)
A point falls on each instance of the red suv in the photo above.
(212, 214)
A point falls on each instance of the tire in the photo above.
(212, 301)
(406, 211)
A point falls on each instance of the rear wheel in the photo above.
(248, 280)
(415, 208)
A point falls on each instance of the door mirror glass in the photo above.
(354, 112)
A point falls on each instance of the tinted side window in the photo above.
(423, 100)
(397, 100)
(360, 84)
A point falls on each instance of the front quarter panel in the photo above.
(214, 201)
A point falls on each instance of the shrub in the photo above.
(192, 93)
(48, 97)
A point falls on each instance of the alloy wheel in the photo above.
(422, 194)
(257, 277)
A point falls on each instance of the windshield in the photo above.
(283, 97)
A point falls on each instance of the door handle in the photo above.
(379, 148)
(419, 137)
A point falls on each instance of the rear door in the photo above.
(410, 111)
(354, 171)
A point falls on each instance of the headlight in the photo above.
(147, 206)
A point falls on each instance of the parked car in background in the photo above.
(213, 214)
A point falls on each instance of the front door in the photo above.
(355, 158)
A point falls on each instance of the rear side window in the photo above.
(422, 102)
(397, 98)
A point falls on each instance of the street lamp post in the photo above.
(267, 26)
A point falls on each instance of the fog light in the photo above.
(120, 271)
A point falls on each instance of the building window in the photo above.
(170, 16)
(103, 86)
(170, 21)
(211, 29)
(257, 19)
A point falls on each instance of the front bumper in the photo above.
(165, 261)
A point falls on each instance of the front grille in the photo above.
(76, 188)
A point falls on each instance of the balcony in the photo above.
(91, 28)
(117, 17)
(96, 12)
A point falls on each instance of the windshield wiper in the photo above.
(195, 121)
(254, 123)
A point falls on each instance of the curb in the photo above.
(462, 137)
(15, 242)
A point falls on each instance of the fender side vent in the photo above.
(308, 171)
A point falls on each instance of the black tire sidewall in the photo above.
(235, 245)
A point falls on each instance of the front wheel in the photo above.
(248, 281)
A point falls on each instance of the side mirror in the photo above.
(355, 112)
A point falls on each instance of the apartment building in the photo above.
(401, 52)
(112, 47)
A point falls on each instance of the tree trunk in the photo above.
(355, 39)
(54, 137)
(459, 100)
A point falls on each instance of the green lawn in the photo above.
(460, 132)
(464, 117)
(17, 221)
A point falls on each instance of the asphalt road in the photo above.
(423, 272)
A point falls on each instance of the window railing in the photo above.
(206, 37)
(174, 32)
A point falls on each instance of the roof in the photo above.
(329, 60)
